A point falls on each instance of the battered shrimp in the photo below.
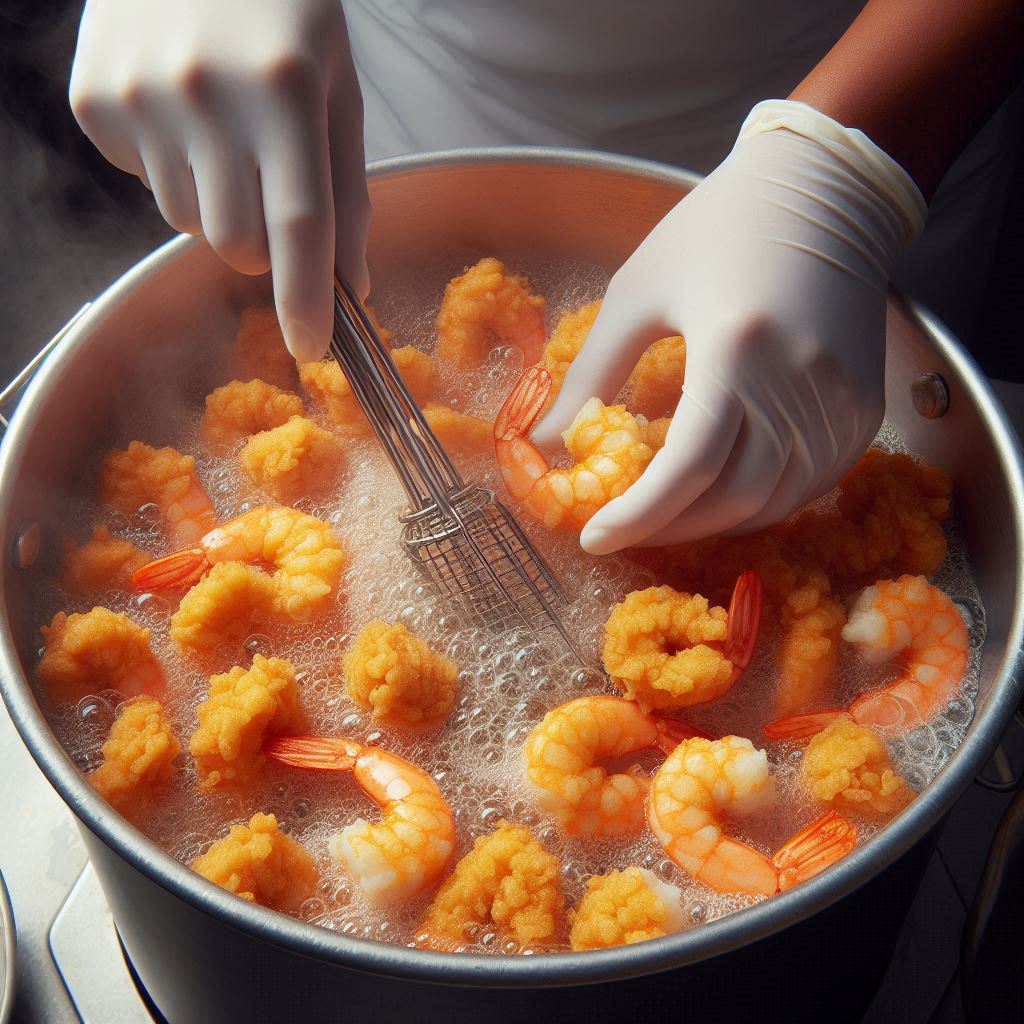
(916, 620)
(561, 760)
(328, 387)
(98, 650)
(394, 674)
(565, 343)
(295, 460)
(457, 432)
(239, 409)
(261, 864)
(141, 475)
(138, 757)
(665, 649)
(303, 552)
(605, 442)
(259, 350)
(656, 383)
(242, 708)
(485, 308)
(625, 907)
(704, 782)
(399, 856)
(104, 563)
(509, 880)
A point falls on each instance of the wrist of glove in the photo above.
(775, 269)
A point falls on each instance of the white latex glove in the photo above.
(244, 118)
(775, 269)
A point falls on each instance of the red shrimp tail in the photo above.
(320, 753)
(673, 731)
(523, 405)
(804, 725)
(178, 571)
(744, 621)
(825, 841)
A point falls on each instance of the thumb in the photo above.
(618, 338)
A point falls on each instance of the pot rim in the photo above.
(707, 940)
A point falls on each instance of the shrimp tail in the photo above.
(523, 405)
(673, 731)
(886, 710)
(802, 726)
(826, 840)
(178, 571)
(744, 621)
(320, 753)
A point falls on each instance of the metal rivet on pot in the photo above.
(27, 544)
(930, 395)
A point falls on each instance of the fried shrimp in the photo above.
(261, 864)
(605, 442)
(244, 707)
(399, 856)
(666, 649)
(656, 384)
(104, 563)
(259, 350)
(394, 674)
(138, 757)
(509, 880)
(141, 475)
(565, 343)
(329, 389)
(623, 907)
(239, 409)
(303, 553)
(562, 759)
(295, 460)
(485, 308)
(457, 432)
(94, 651)
(704, 782)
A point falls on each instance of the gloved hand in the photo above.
(244, 118)
(775, 269)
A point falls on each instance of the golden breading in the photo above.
(259, 350)
(509, 880)
(657, 651)
(485, 308)
(104, 563)
(565, 343)
(656, 383)
(396, 675)
(623, 907)
(140, 475)
(138, 757)
(260, 863)
(85, 653)
(244, 707)
(295, 460)
(329, 389)
(458, 433)
(241, 408)
(655, 432)
(847, 765)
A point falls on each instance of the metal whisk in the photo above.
(466, 541)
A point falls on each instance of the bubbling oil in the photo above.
(506, 683)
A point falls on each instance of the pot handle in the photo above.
(9, 395)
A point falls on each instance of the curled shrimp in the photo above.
(140, 475)
(605, 441)
(915, 620)
(562, 760)
(701, 784)
(667, 649)
(242, 408)
(399, 856)
(484, 308)
(303, 552)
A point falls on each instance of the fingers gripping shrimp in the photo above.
(907, 617)
(303, 552)
(562, 756)
(666, 649)
(141, 475)
(605, 441)
(703, 782)
(484, 308)
(399, 856)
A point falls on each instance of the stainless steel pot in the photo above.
(206, 955)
